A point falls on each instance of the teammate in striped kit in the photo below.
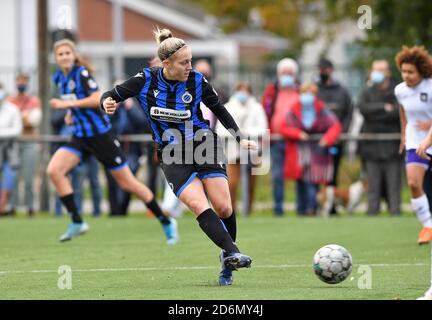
(79, 93)
(170, 96)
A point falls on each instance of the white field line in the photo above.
(282, 266)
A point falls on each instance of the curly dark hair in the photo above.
(417, 56)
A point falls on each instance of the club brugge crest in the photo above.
(187, 97)
(71, 85)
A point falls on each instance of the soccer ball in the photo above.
(332, 263)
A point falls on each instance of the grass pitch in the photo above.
(127, 258)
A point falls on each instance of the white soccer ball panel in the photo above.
(324, 252)
(324, 263)
(336, 267)
(336, 255)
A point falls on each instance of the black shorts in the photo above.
(180, 173)
(105, 147)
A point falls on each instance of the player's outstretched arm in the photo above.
(425, 145)
(128, 89)
(92, 101)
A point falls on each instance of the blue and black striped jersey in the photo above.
(171, 105)
(79, 84)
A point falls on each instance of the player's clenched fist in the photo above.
(109, 105)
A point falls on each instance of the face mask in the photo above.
(242, 96)
(324, 77)
(377, 77)
(21, 88)
(2, 94)
(307, 99)
(286, 80)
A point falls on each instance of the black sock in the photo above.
(216, 231)
(231, 225)
(69, 202)
(154, 207)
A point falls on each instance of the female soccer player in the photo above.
(191, 154)
(424, 152)
(93, 135)
(415, 98)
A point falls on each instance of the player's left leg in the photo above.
(233, 171)
(419, 201)
(129, 183)
(219, 195)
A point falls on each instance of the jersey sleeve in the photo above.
(128, 89)
(87, 82)
(397, 92)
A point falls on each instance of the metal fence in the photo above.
(46, 140)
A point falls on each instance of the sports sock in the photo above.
(69, 202)
(215, 229)
(421, 207)
(231, 225)
(154, 207)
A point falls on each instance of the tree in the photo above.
(400, 22)
(282, 17)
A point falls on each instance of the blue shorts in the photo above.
(411, 157)
(9, 175)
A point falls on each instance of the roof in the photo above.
(252, 36)
(171, 16)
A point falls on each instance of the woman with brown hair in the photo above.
(415, 99)
(307, 161)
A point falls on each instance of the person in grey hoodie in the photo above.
(383, 163)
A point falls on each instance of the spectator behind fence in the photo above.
(205, 68)
(383, 163)
(31, 114)
(10, 129)
(129, 119)
(307, 161)
(278, 99)
(338, 100)
(250, 117)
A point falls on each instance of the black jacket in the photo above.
(377, 120)
(338, 100)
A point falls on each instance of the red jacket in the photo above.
(271, 94)
(318, 163)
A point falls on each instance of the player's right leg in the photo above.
(415, 173)
(194, 197)
(60, 164)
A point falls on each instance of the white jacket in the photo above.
(10, 120)
(251, 120)
(10, 128)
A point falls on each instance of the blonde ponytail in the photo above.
(168, 45)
